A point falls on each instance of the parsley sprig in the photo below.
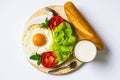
(45, 24)
(36, 57)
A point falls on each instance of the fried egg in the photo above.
(36, 39)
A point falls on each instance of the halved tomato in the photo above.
(55, 21)
(48, 59)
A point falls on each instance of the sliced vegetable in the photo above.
(55, 21)
(49, 59)
(36, 57)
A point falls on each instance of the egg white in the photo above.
(28, 44)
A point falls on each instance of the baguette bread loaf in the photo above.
(81, 25)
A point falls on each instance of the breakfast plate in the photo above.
(49, 41)
(37, 18)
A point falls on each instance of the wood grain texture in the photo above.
(60, 11)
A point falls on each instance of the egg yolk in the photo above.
(39, 39)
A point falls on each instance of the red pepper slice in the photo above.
(55, 21)
(48, 59)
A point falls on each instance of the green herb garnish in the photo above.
(45, 24)
(36, 57)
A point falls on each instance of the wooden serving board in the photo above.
(60, 11)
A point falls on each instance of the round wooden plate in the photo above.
(60, 11)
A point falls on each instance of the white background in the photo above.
(103, 15)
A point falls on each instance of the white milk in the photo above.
(85, 51)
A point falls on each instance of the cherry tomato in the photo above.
(48, 59)
(55, 21)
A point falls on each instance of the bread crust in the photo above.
(82, 27)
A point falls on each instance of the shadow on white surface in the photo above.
(103, 56)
